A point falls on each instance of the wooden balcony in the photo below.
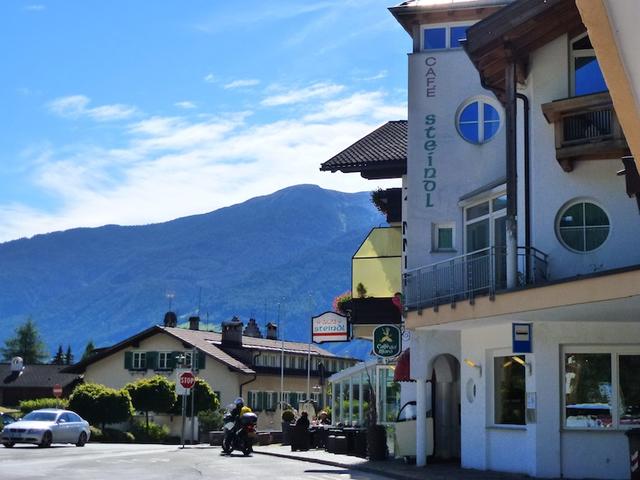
(586, 128)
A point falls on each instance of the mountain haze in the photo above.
(293, 246)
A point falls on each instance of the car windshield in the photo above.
(40, 416)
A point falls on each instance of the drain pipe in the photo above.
(527, 189)
(512, 176)
(255, 375)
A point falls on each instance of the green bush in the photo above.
(153, 434)
(110, 435)
(210, 420)
(27, 406)
(100, 405)
(206, 399)
(155, 394)
(288, 416)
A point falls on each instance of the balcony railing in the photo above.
(586, 128)
(465, 277)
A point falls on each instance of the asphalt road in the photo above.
(141, 462)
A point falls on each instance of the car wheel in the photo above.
(82, 439)
(46, 440)
(8, 444)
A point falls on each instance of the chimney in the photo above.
(170, 319)
(232, 332)
(194, 323)
(252, 329)
(272, 331)
(17, 364)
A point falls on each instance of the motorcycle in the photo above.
(239, 437)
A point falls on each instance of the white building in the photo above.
(516, 221)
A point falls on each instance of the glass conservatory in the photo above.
(351, 393)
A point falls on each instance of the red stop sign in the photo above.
(57, 390)
(187, 380)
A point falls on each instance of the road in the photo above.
(140, 462)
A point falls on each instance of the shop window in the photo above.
(586, 75)
(583, 226)
(443, 37)
(588, 393)
(509, 390)
(478, 120)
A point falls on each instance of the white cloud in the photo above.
(249, 82)
(315, 91)
(378, 76)
(186, 104)
(169, 167)
(77, 106)
(35, 8)
(210, 78)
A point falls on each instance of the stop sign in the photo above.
(187, 380)
(57, 390)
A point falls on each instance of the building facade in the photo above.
(521, 277)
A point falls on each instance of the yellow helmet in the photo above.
(244, 410)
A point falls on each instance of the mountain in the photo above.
(292, 247)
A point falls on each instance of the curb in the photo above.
(362, 468)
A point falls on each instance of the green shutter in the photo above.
(201, 360)
(171, 361)
(151, 359)
(260, 401)
(128, 360)
(274, 400)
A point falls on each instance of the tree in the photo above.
(88, 350)
(205, 399)
(155, 394)
(69, 356)
(26, 344)
(100, 405)
(59, 358)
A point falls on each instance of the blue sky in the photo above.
(134, 112)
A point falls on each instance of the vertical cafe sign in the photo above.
(430, 130)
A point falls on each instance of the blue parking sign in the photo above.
(522, 337)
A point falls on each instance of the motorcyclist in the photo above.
(236, 413)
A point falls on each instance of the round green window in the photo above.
(583, 226)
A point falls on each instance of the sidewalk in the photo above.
(391, 468)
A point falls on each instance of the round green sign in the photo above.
(387, 341)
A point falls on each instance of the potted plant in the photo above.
(287, 417)
(376, 434)
(342, 303)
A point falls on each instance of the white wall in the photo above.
(544, 448)
(552, 188)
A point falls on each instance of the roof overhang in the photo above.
(513, 32)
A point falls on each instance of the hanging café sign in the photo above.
(329, 327)
(387, 341)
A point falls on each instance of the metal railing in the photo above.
(587, 126)
(482, 272)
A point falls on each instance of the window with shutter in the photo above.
(201, 358)
(128, 360)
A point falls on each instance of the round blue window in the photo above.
(478, 121)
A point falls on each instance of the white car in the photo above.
(47, 426)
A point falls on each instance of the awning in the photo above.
(402, 371)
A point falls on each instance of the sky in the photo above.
(135, 112)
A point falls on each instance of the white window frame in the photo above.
(573, 54)
(447, 27)
(491, 389)
(435, 228)
(188, 357)
(491, 216)
(615, 351)
(139, 361)
(163, 360)
(481, 100)
(566, 207)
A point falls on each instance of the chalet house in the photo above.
(523, 323)
(28, 382)
(236, 362)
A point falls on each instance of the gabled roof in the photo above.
(380, 154)
(35, 376)
(208, 342)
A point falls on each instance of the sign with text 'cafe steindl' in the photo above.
(329, 327)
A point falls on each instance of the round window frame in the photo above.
(483, 99)
(566, 207)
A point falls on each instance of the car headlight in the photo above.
(35, 430)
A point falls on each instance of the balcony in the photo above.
(586, 128)
(376, 276)
(480, 273)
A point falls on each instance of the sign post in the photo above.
(57, 392)
(329, 327)
(186, 381)
(387, 341)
